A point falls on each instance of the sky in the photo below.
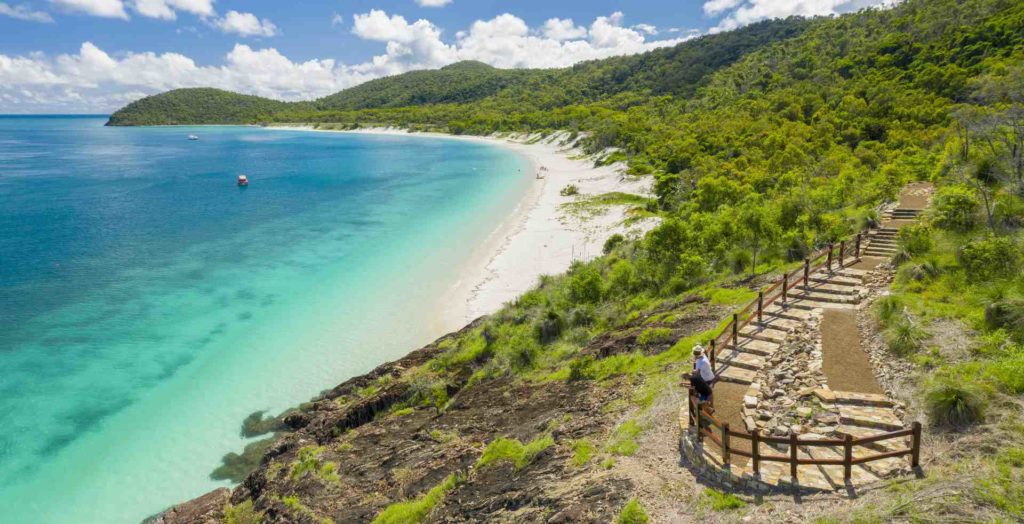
(94, 56)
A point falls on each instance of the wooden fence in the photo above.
(722, 435)
(708, 426)
(779, 291)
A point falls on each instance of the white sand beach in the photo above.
(540, 237)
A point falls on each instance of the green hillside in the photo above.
(197, 106)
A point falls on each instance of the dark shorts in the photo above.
(701, 387)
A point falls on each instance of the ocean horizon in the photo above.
(148, 304)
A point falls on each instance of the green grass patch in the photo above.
(633, 513)
(652, 336)
(513, 451)
(623, 440)
(417, 510)
(582, 451)
(242, 514)
(718, 501)
(309, 461)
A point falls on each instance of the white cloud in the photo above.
(563, 29)
(24, 12)
(337, 20)
(433, 3)
(647, 29)
(165, 9)
(94, 80)
(102, 8)
(743, 12)
(245, 24)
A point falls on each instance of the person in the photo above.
(702, 376)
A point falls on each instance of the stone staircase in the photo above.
(882, 241)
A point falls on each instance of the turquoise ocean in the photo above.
(148, 303)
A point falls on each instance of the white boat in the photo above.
(193, 137)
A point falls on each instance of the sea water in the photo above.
(148, 303)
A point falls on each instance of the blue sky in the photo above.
(96, 55)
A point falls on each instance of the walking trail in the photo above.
(850, 402)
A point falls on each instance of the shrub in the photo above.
(952, 402)
(956, 208)
(719, 501)
(581, 368)
(585, 284)
(569, 190)
(622, 278)
(242, 514)
(1008, 315)
(550, 327)
(919, 272)
(915, 239)
(888, 309)
(903, 337)
(612, 242)
(633, 513)
(992, 257)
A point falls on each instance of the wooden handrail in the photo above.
(721, 434)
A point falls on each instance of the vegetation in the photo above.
(633, 513)
(513, 451)
(416, 510)
(718, 501)
(242, 514)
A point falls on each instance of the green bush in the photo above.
(569, 190)
(1008, 315)
(585, 284)
(954, 402)
(633, 513)
(888, 309)
(582, 451)
(988, 258)
(956, 208)
(612, 242)
(903, 337)
(550, 327)
(513, 451)
(915, 239)
(242, 514)
(581, 368)
(920, 272)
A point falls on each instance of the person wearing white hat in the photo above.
(703, 376)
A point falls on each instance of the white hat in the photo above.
(698, 350)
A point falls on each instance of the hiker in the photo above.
(702, 376)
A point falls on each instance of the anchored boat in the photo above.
(243, 180)
(193, 137)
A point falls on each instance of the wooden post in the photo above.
(829, 263)
(807, 274)
(857, 248)
(915, 446)
(755, 452)
(725, 444)
(792, 456)
(689, 406)
(713, 359)
(735, 331)
(785, 283)
(848, 457)
(700, 434)
(842, 250)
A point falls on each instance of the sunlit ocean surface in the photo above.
(148, 304)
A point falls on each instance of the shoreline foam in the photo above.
(539, 237)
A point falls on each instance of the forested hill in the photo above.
(677, 70)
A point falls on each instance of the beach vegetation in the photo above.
(416, 510)
(242, 513)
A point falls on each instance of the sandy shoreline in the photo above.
(539, 237)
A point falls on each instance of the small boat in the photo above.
(193, 137)
(243, 180)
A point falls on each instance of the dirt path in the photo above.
(844, 361)
(729, 410)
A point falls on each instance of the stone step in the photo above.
(895, 444)
(883, 242)
(862, 399)
(757, 347)
(740, 359)
(787, 313)
(813, 303)
(836, 280)
(815, 295)
(869, 417)
(737, 375)
(879, 253)
(765, 332)
(778, 323)
(835, 289)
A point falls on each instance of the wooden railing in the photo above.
(778, 291)
(707, 426)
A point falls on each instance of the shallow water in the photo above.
(147, 304)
